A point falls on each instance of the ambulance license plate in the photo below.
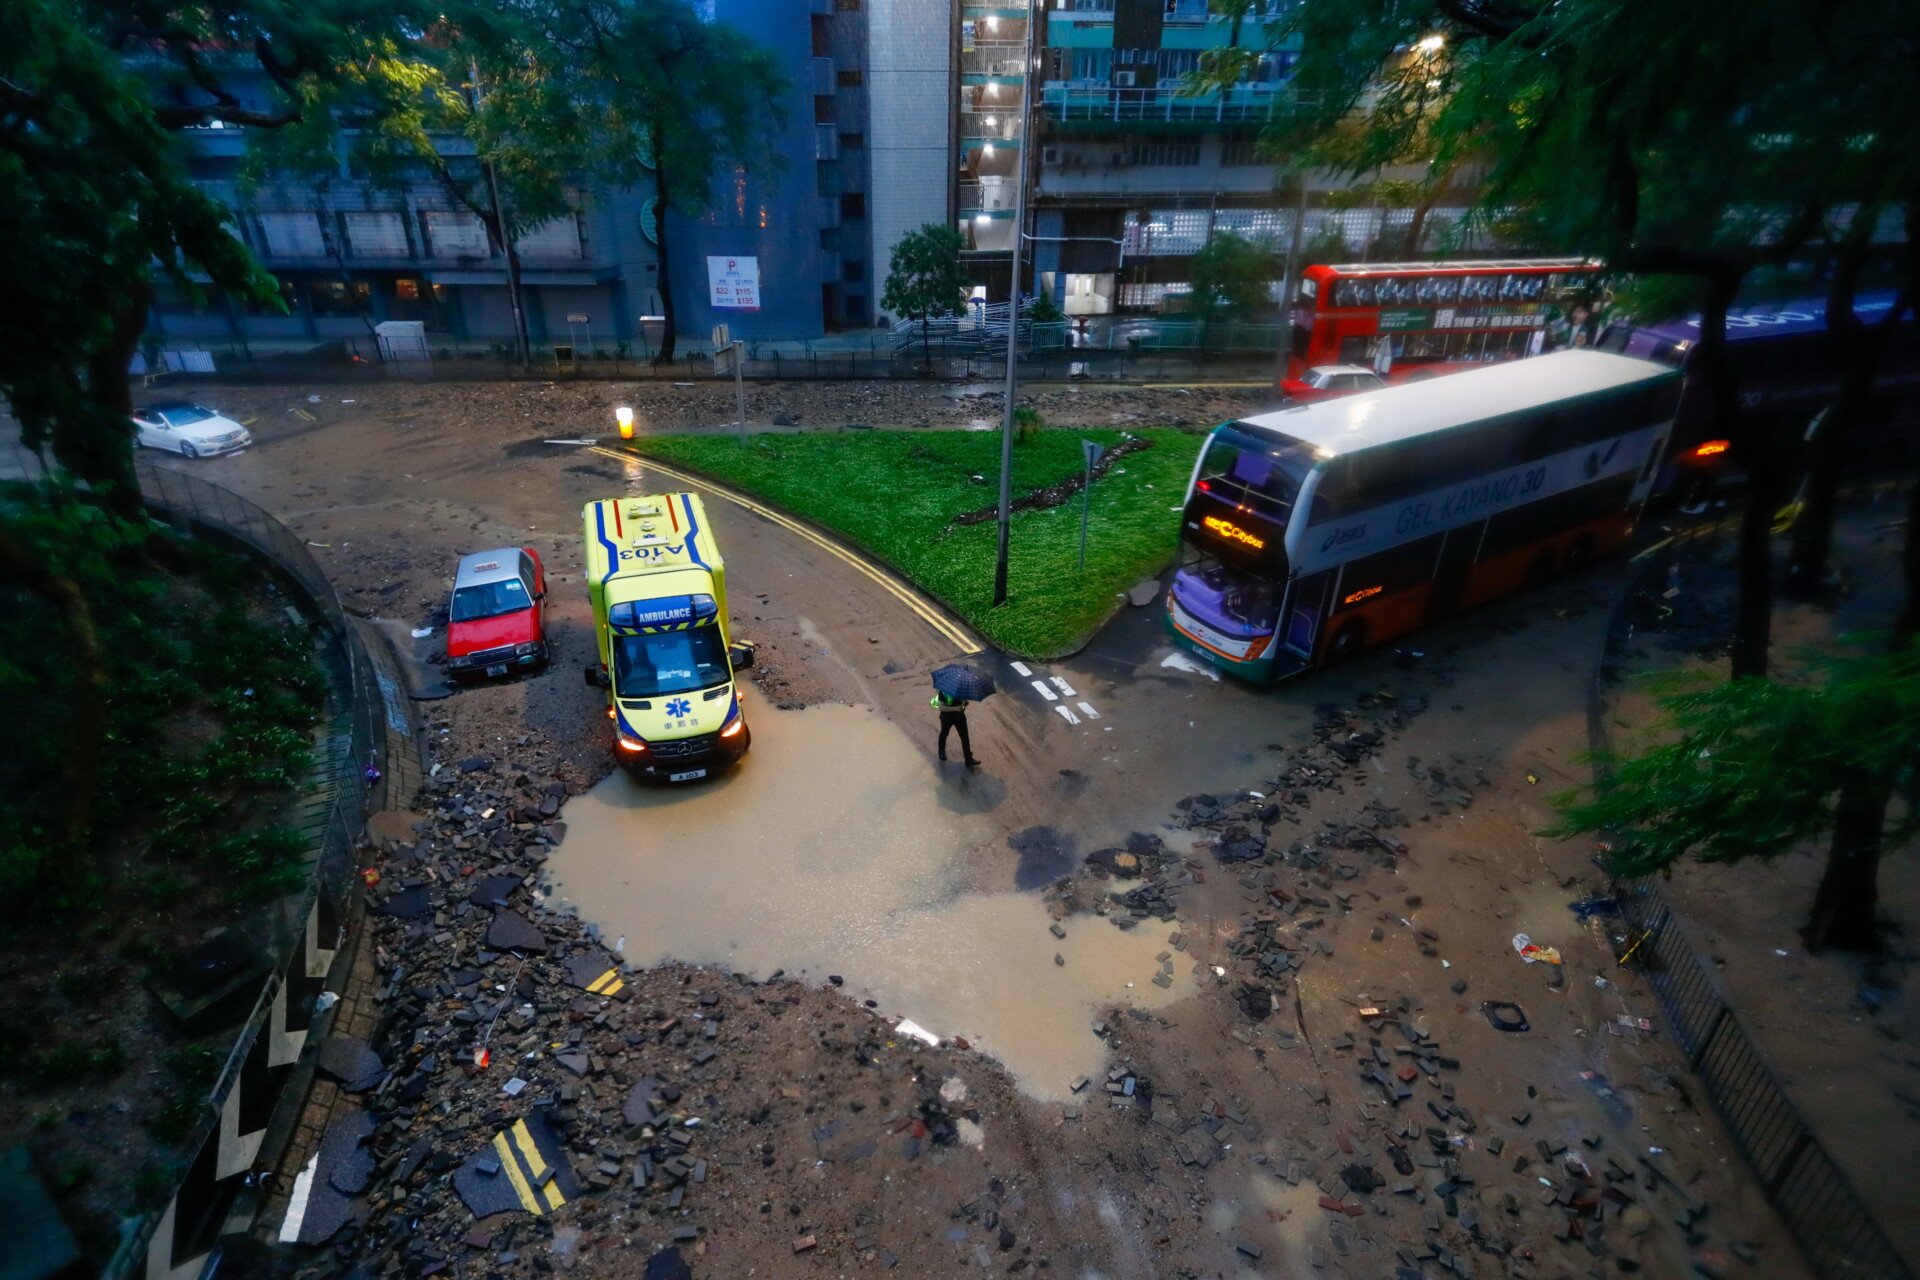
(688, 776)
(497, 669)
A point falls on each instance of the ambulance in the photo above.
(659, 593)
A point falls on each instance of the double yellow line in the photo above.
(928, 614)
(521, 1162)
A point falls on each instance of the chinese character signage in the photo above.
(734, 283)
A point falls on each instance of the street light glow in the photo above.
(1432, 44)
(624, 416)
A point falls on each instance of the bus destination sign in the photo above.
(1407, 319)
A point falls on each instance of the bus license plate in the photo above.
(497, 669)
(688, 776)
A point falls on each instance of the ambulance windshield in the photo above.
(669, 662)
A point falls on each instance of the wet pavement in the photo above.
(827, 853)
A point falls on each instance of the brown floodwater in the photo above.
(829, 852)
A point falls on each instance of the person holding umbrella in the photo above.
(954, 686)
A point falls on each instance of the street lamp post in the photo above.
(1013, 312)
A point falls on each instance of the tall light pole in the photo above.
(1013, 310)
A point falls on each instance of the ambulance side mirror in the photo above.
(596, 678)
(741, 655)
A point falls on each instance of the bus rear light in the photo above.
(1259, 645)
(1712, 447)
(1204, 486)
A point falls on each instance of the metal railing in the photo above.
(1826, 1217)
(1164, 105)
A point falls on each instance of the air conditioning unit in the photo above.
(1123, 79)
(1049, 155)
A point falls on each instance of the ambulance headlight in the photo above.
(630, 743)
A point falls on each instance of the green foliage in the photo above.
(1230, 276)
(209, 711)
(896, 493)
(926, 279)
(1751, 768)
(1044, 310)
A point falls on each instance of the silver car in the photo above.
(190, 430)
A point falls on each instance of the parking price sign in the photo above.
(734, 283)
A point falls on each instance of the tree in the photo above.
(1231, 276)
(1751, 768)
(676, 101)
(926, 279)
(93, 98)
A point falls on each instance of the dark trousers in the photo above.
(949, 721)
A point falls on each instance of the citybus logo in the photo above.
(1234, 533)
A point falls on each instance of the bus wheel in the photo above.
(1579, 554)
(1540, 572)
(1347, 643)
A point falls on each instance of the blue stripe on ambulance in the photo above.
(693, 531)
(613, 552)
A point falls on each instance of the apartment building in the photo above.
(1131, 176)
(865, 147)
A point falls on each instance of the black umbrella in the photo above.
(961, 683)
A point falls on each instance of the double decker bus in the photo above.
(1415, 319)
(1314, 532)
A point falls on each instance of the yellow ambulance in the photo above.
(659, 591)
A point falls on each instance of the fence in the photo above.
(302, 932)
(1815, 1199)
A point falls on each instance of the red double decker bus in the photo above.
(1415, 319)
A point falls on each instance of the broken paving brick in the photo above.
(512, 931)
(593, 972)
(351, 1061)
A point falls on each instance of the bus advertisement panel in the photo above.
(1415, 319)
(1312, 533)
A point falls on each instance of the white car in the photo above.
(190, 430)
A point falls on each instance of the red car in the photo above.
(1325, 381)
(496, 623)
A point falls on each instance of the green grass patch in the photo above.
(895, 493)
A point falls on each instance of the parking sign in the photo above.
(734, 283)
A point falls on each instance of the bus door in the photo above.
(1306, 610)
(1462, 548)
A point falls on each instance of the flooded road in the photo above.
(834, 851)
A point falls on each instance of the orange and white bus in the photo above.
(1312, 533)
(1419, 318)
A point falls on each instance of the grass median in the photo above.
(896, 493)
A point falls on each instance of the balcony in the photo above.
(999, 58)
(987, 195)
(1159, 106)
(990, 122)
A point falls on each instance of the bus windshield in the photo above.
(1259, 473)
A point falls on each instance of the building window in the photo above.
(1092, 64)
(406, 289)
(853, 271)
(376, 235)
(1240, 152)
(289, 297)
(856, 308)
(336, 299)
(1164, 153)
(853, 206)
(847, 6)
(1174, 63)
(848, 140)
(455, 233)
(847, 79)
(293, 235)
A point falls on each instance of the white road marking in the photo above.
(1022, 668)
(297, 1201)
(1066, 690)
(1086, 709)
(1040, 686)
(1181, 662)
(1066, 713)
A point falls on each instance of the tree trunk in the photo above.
(1857, 347)
(96, 443)
(669, 324)
(1753, 616)
(1907, 625)
(1848, 899)
(87, 716)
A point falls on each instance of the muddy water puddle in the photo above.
(829, 851)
